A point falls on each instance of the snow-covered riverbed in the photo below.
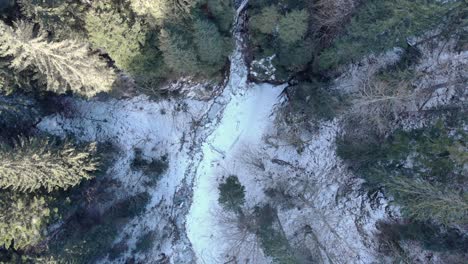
(242, 123)
(208, 140)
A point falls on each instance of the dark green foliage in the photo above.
(381, 25)
(402, 71)
(56, 66)
(309, 102)
(281, 28)
(179, 54)
(212, 48)
(293, 26)
(271, 237)
(231, 194)
(432, 237)
(422, 200)
(294, 57)
(22, 219)
(90, 233)
(221, 11)
(190, 38)
(112, 31)
(42, 163)
(423, 169)
(5, 4)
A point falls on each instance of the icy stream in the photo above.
(205, 141)
(243, 121)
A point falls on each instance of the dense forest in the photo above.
(390, 74)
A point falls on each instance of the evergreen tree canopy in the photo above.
(113, 32)
(41, 163)
(381, 25)
(424, 170)
(162, 10)
(293, 26)
(178, 54)
(211, 46)
(422, 200)
(266, 21)
(22, 218)
(63, 18)
(231, 194)
(61, 66)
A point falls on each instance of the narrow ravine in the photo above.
(246, 108)
(205, 141)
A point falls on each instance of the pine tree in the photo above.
(293, 26)
(379, 25)
(42, 163)
(232, 194)
(113, 32)
(422, 200)
(22, 218)
(178, 54)
(266, 21)
(223, 12)
(163, 10)
(61, 66)
(63, 18)
(211, 47)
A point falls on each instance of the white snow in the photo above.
(243, 122)
(232, 133)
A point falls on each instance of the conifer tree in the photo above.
(232, 194)
(162, 10)
(22, 218)
(422, 200)
(266, 21)
(379, 25)
(293, 26)
(42, 163)
(178, 54)
(211, 47)
(61, 66)
(113, 32)
(63, 18)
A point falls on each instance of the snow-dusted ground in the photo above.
(233, 133)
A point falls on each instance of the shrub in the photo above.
(309, 102)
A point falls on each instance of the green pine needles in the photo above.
(41, 163)
(61, 66)
(21, 220)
